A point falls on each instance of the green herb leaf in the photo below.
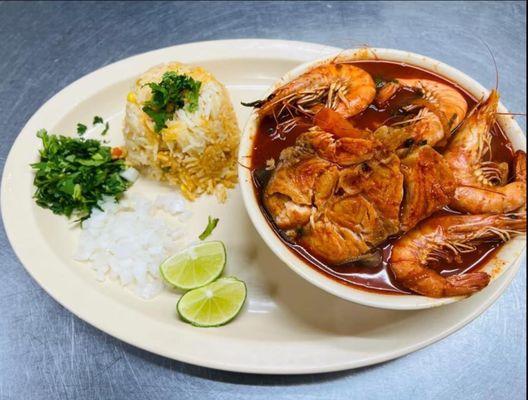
(99, 120)
(379, 81)
(105, 130)
(73, 175)
(81, 129)
(211, 225)
(172, 93)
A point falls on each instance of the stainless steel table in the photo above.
(46, 352)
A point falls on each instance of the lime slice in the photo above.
(214, 304)
(195, 266)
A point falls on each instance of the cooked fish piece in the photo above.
(300, 178)
(381, 183)
(337, 198)
(429, 185)
(335, 234)
(343, 151)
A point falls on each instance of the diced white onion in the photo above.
(130, 174)
(128, 240)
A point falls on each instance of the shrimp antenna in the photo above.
(361, 45)
(355, 46)
(510, 113)
(242, 165)
(494, 62)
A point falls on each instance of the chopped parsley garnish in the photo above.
(74, 174)
(379, 81)
(81, 129)
(172, 93)
(105, 130)
(211, 225)
(98, 120)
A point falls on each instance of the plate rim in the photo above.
(111, 329)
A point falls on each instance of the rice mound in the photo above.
(197, 151)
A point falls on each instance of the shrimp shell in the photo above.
(443, 108)
(476, 192)
(344, 88)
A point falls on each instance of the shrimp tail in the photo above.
(465, 284)
(475, 198)
(333, 122)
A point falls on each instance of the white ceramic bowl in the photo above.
(502, 259)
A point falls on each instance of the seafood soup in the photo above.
(388, 177)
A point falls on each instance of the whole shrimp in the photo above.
(480, 181)
(442, 108)
(444, 238)
(344, 88)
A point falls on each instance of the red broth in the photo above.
(379, 278)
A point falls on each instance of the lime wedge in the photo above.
(195, 266)
(214, 304)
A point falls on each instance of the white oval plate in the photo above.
(289, 326)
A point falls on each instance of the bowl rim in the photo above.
(498, 264)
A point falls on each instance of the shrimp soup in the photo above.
(276, 132)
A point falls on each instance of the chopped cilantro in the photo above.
(81, 129)
(98, 120)
(105, 130)
(379, 81)
(211, 225)
(172, 93)
(73, 175)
